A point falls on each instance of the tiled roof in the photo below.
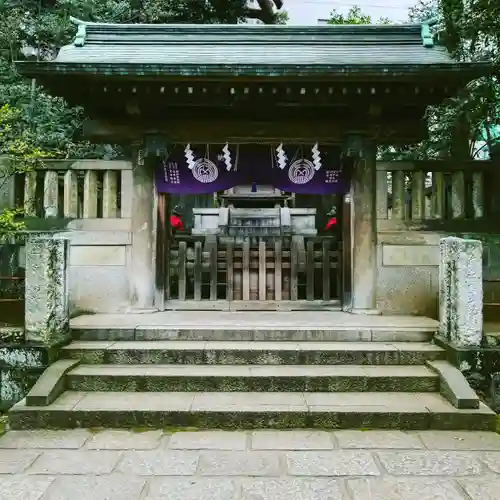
(245, 45)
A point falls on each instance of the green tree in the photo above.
(35, 125)
(354, 16)
(471, 31)
(423, 10)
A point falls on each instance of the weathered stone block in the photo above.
(410, 255)
(461, 291)
(495, 391)
(47, 301)
(20, 366)
(88, 255)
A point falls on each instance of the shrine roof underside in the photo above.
(346, 51)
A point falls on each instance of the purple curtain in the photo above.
(201, 169)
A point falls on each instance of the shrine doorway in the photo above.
(253, 247)
(275, 272)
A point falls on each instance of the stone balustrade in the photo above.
(83, 189)
(413, 192)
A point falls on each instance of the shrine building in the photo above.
(263, 140)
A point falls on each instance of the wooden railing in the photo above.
(284, 268)
(431, 193)
(83, 189)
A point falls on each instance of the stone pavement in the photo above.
(260, 465)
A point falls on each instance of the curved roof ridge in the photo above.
(284, 27)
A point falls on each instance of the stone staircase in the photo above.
(290, 377)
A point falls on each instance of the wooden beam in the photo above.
(451, 165)
(245, 131)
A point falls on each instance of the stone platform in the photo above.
(259, 465)
(252, 325)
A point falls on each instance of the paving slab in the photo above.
(124, 440)
(392, 488)
(193, 489)
(292, 488)
(58, 439)
(481, 488)
(108, 487)
(291, 440)
(22, 487)
(363, 465)
(159, 462)
(240, 463)
(15, 461)
(377, 439)
(75, 462)
(430, 463)
(334, 463)
(460, 440)
(208, 440)
(491, 460)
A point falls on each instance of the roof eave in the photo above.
(35, 69)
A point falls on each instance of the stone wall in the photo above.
(408, 275)
(111, 262)
(25, 351)
(21, 363)
(99, 263)
(408, 278)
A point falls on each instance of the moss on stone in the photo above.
(4, 422)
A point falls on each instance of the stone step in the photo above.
(255, 352)
(230, 410)
(291, 333)
(252, 378)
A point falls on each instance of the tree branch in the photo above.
(266, 6)
(255, 14)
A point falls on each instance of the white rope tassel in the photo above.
(282, 159)
(316, 157)
(188, 153)
(227, 157)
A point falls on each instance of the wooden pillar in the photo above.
(363, 226)
(162, 257)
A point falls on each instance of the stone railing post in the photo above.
(47, 301)
(461, 291)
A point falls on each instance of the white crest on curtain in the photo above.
(227, 156)
(282, 159)
(316, 156)
(189, 155)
